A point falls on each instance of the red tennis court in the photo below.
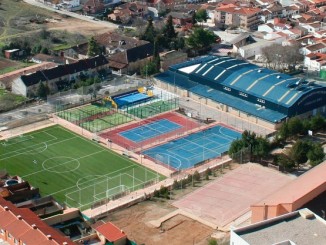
(230, 196)
(119, 135)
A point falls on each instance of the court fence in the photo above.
(242, 156)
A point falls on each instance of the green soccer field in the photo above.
(73, 169)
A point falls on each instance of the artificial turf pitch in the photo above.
(71, 168)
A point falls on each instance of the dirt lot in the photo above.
(73, 25)
(177, 230)
(135, 220)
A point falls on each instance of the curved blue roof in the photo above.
(271, 90)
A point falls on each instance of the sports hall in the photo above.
(245, 90)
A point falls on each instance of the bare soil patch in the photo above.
(177, 230)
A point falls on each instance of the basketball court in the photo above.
(230, 196)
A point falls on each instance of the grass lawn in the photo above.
(152, 109)
(9, 100)
(10, 65)
(71, 168)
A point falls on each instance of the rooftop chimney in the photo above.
(34, 226)
(64, 243)
(6, 208)
(19, 217)
(49, 237)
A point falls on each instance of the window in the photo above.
(16, 241)
(9, 235)
(2, 231)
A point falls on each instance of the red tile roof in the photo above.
(239, 10)
(26, 226)
(110, 232)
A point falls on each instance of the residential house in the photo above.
(7, 79)
(41, 58)
(314, 48)
(59, 77)
(13, 53)
(76, 52)
(19, 226)
(93, 7)
(314, 27)
(181, 18)
(113, 42)
(72, 3)
(289, 11)
(315, 61)
(126, 12)
(131, 60)
(242, 17)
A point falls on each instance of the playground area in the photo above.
(230, 196)
(194, 149)
(145, 132)
(89, 174)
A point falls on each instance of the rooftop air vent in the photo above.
(34, 226)
(49, 237)
(6, 208)
(19, 217)
(278, 77)
(259, 71)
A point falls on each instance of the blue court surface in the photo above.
(130, 98)
(150, 130)
(186, 152)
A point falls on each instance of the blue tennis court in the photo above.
(186, 152)
(150, 130)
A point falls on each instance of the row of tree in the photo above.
(198, 41)
(278, 57)
(301, 151)
(295, 127)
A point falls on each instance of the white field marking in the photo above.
(62, 163)
(25, 148)
(112, 152)
(141, 182)
(21, 140)
(226, 136)
(58, 172)
(20, 153)
(74, 186)
(77, 183)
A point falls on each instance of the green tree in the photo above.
(193, 18)
(285, 162)
(261, 147)
(298, 152)
(156, 57)
(315, 154)
(201, 15)
(284, 132)
(295, 126)
(235, 147)
(148, 69)
(93, 48)
(317, 122)
(200, 39)
(168, 29)
(150, 33)
(43, 90)
(212, 241)
(196, 176)
(45, 50)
